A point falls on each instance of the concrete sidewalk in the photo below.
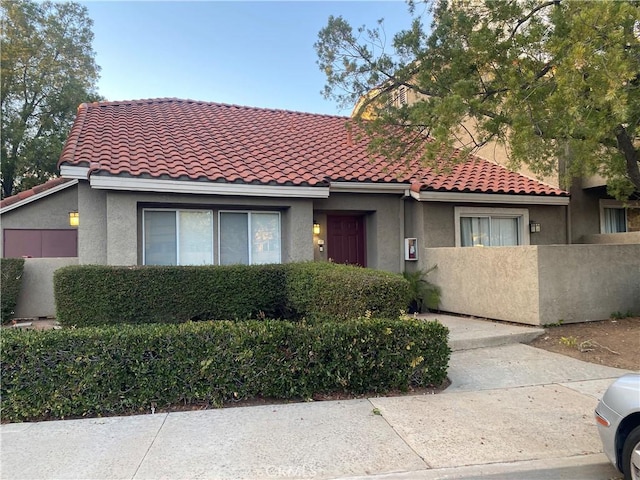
(512, 411)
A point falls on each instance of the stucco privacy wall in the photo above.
(491, 282)
(115, 234)
(624, 238)
(538, 285)
(588, 282)
(36, 295)
(49, 212)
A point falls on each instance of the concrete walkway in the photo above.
(511, 412)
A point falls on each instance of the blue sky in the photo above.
(247, 53)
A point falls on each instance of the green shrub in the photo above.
(423, 295)
(12, 269)
(99, 295)
(132, 368)
(340, 292)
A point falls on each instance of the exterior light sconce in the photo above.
(74, 219)
(534, 227)
(316, 228)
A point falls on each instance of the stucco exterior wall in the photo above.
(553, 225)
(538, 285)
(585, 212)
(117, 240)
(439, 223)
(36, 296)
(92, 233)
(384, 221)
(49, 212)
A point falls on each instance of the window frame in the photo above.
(249, 214)
(522, 214)
(177, 234)
(612, 204)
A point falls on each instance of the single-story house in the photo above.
(178, 182)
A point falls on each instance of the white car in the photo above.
(618, 418)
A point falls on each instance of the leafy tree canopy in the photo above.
(556, 81)
(48, 69)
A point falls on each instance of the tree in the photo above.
(48, 69)
(555, 81)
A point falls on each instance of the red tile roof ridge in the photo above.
(150, 101)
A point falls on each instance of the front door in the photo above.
(345, 239)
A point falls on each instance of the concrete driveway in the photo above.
(512, 411)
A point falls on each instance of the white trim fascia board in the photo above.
(38, 196)
(489, 198)
(72, 171)
(206, 188)
(368, 187)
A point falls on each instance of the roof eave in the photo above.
(37, 196)
(137, 184)
(477, 197)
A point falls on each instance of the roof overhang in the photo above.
(490, 198)
(136, 184)
(38, 196)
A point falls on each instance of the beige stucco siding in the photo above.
(48, 212)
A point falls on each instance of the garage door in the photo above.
(40, 243)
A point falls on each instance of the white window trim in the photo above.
(175, 211)
(605, 203)
(249, 212)
(520, 213)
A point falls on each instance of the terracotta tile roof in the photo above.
(34, 191)
(190, 140)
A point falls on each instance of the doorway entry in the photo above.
(346, 239)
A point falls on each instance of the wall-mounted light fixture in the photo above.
(316, 228)
(74, 219)
(534, 227)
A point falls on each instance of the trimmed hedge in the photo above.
(97, 295)
(132, 368)
(339, 292)
(12, 269)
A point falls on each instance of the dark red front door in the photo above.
(345, 239)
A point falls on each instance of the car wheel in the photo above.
(631, 456)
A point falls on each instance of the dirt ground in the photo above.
(613, 342)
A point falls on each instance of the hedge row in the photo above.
(132, 368)
(99, 295)
(11, 279)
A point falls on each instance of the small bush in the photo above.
(132, 368)
(423, 295)
(12, 269)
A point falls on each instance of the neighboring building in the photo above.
(594, 215)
